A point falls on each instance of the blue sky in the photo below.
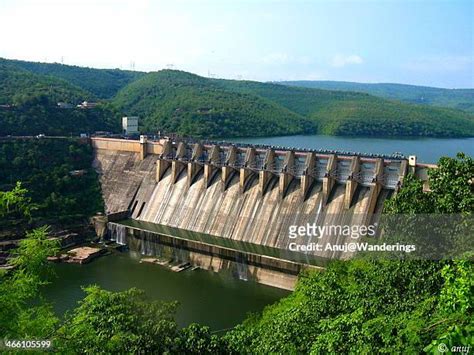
(422, 42)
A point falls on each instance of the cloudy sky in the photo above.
(423, 42)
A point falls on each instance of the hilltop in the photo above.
(189, 104)
(192, 105)
(173, 100)
(17, 86)
(102, 83)
(461, 99)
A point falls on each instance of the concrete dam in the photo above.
(230, 207)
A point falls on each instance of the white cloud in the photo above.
(340, 61)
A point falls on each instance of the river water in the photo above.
(214, 299)
(427, 150)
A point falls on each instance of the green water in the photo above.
(428, 150)
(215, 299)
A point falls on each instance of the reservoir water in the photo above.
(214, 299)
(428, 150)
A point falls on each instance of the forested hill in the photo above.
(462, 99)
(28, 106)
(18, 86)
(352, 113)
(103, 83)
(190, 104)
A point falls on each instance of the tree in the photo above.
(23, 311)
(118, 322)
(451, 190)
(452, 185)
(454, 317)
(15, 202)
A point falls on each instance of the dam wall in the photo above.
(250, 194)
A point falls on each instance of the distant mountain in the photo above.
(352, 113)
(462, 99)
(103, 83)
(192, 105)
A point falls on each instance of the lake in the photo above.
(428, 150)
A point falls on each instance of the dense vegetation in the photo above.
(102, 83)
(357, 306)
(189, 104)
(32, 101)
(46, 168)
(461, 99)
(19, 86)
(351, 113)
(40, 115)
(192, 105)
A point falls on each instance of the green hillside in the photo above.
(462, 99)
(192, 105)
(39, 115)
(33, 107)
(301, 100)
(351, 113)
(103, 83)
(17, 86)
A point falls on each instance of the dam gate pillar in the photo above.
(329, 179)
(352, 183)
(228, 168)
(163, 162)
(196, 163)
(246, 172)
(287, 173)
(308, 174)
(265, 174)
(178, 164)
(210, 168)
